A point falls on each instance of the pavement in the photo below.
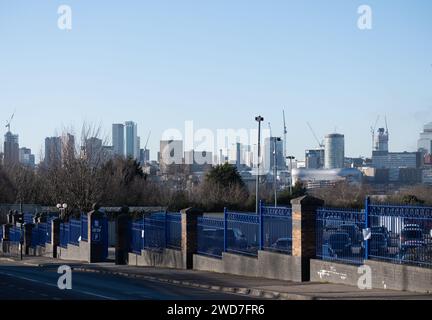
(209, 285)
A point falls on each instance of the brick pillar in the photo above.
(5, 240)
(55, 236)
(27, 230)
(189, 222)
(303, 232)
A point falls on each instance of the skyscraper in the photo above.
(425, 141)
(68, 147)
(11, 149)
(132, 148)
(53, 151)
(334, 151)
(269, 156)
(26, 157)
(118, 139)
(171, 156)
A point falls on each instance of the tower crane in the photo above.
(285, 134)
(320, 144)
(8, 123)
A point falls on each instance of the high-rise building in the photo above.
(334, 153)
(26, 157)
(382, 140)
(315, 158)
(269, 156)
(93, 151)
(425, 141)
(11, 149)
(118, 139)
(132, 146)
(53, 151)
(144, 156)
(68, 147)
(171, 156)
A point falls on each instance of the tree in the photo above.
(286, 196)
(225, 175)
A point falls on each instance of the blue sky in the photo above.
(219, 63)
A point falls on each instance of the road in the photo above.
(40, 283)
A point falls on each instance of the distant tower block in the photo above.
(334, 151)
(382, 140)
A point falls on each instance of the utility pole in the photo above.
(275, 140)
(259, 119)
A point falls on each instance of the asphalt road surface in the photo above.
(19, 282)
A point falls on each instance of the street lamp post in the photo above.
(258, 119)
(275, 141)
(291, 158)
(62, 208)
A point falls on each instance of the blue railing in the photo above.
(173, 230)
(84, 227)
(39, 235)
(154, 232)
(400, 234)
(15, 234)
(277, 229)
(28, 217)
(211, 236)
(64, 235)
(339, 235)
(242, 233)
(137, 239)
(74, 231)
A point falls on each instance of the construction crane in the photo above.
(270, 128)
(320, 144)
(373, 129)
(8, 123)
(148, 139)
(285, 134)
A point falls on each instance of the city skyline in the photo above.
(161, 65)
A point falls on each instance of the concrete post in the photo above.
(123, 237)
(10, 219)
(95, 241)
(189, 224)
(303, 232)
(5, 240)
(27, 230)
(55, 236)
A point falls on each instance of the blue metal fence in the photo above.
(400, 234)
(74, 231)
(242, 233)
(173, 230)
(339, 235)
(64, 234)
(28, 217)
(154, 232)
(84, 227)
(137, 236)
(15, 234)
(276, 229)
(211, 236)
(39, 235)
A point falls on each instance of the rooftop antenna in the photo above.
(8, 123)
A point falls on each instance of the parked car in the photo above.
(414, 250)
(353, 232)
(411, 232)
(378, 244)
(282, 244)
(340, 244)
(383, 230)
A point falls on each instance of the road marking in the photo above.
(52, 285)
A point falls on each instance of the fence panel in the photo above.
(210, 236)
(401, 234)
(137, 239)
(242, 233)
(28, 217)
(74, 231)
(173, 230)
(277, 229)
(154, 232)
(15, 234)
(64, 234)
(339, 235)
(84, 227)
